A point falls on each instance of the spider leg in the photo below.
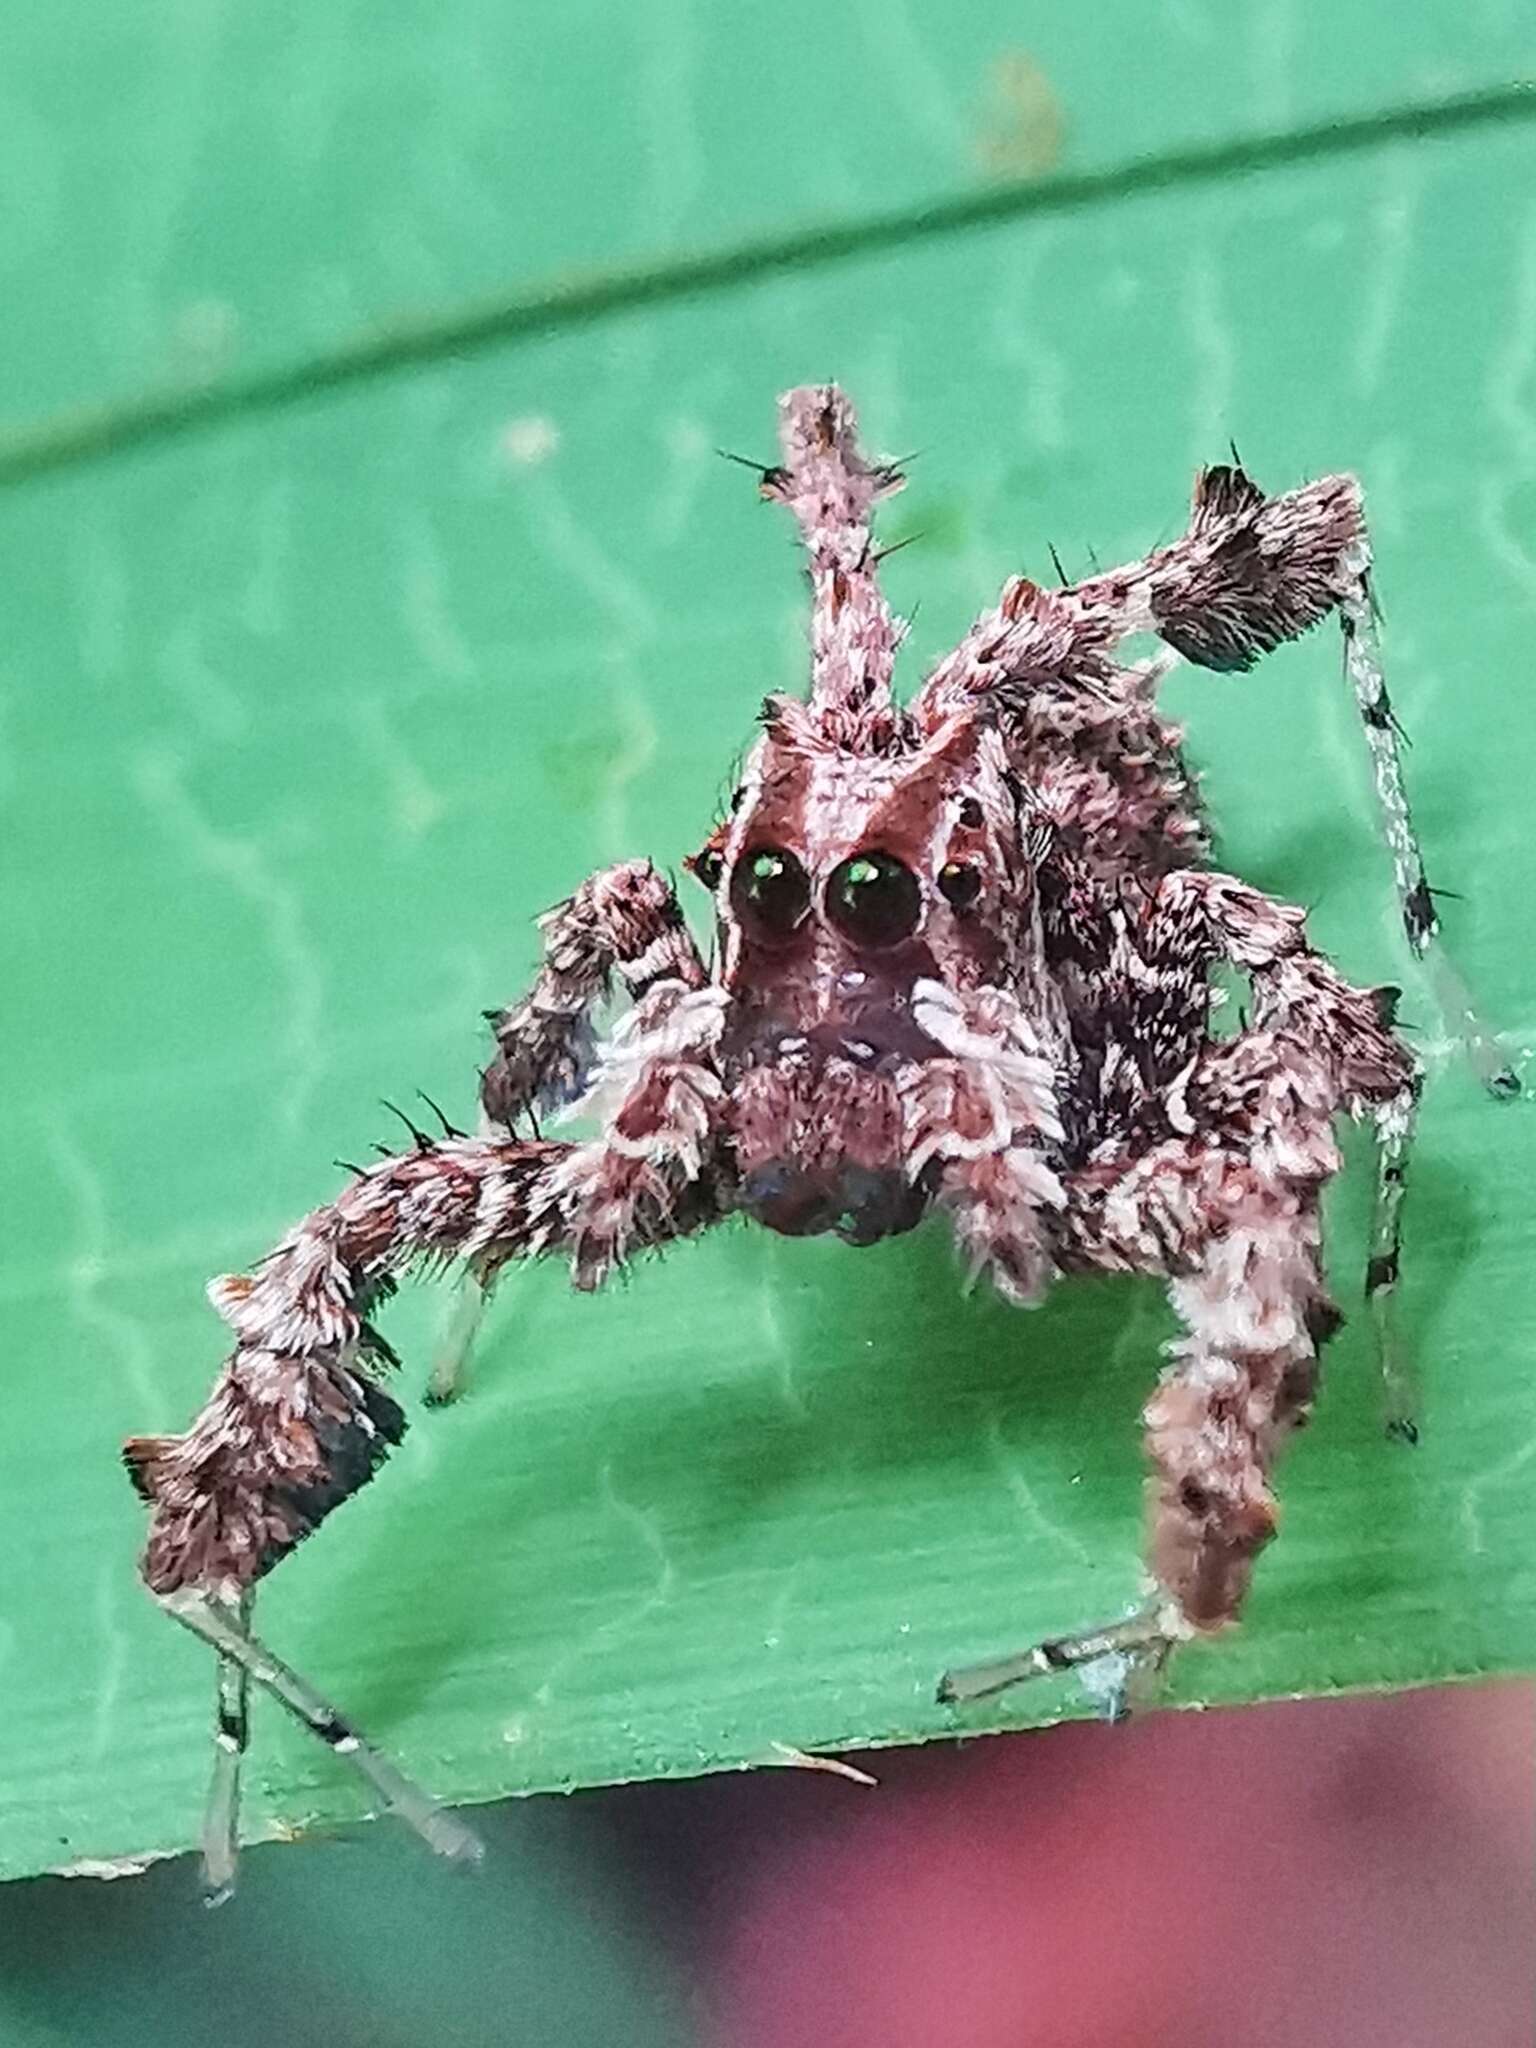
(1139, 1646)
(1240, 1246)
(231, 1734)
(624, 921)
(832, 488)
(987, 1118)
(1254, 571)
(220, 1626)
(1249, 573)
(1421, 923)
(297, 1420)
(1228, 1210)
(1395, 1121)
(456, 1340)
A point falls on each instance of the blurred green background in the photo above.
(306, 714)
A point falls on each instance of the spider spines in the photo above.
(449, 1130)
(422, 1140)
(762, 469)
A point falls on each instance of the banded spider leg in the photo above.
(297, 1421)
(1227, 1211)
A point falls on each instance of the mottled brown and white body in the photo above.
(964, 962)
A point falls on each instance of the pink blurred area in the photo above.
(1337, 1874)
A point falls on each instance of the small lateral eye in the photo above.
(709, 866)
(960, 883)
(874, 900)
(770, 893)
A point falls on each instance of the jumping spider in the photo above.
(964, 961)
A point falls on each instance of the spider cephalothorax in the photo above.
(858, 893)
(965, 960)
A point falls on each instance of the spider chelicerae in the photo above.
(966, 959)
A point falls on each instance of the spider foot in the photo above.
(245, 1660)
(1120, 1663)
(456, 1343)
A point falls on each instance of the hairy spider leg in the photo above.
(832, 489)
(1250, 573)
(1363, 666)
(1253, 1305)
(624, 921)
(1228, 1212)
(984, 1120)
(221, 1625)
(231, 1734)
(297, 1423)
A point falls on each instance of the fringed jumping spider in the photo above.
(964, 961)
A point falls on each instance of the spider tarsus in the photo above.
(1381, 1271)
(1144, 1639)
(224, 1627)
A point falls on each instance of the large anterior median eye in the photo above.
(874, 900)
(770, 893)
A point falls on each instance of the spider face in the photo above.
(843, 881)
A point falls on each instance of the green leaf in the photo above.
(308, 713)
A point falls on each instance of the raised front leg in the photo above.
(832, 488)
(1249, 573)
